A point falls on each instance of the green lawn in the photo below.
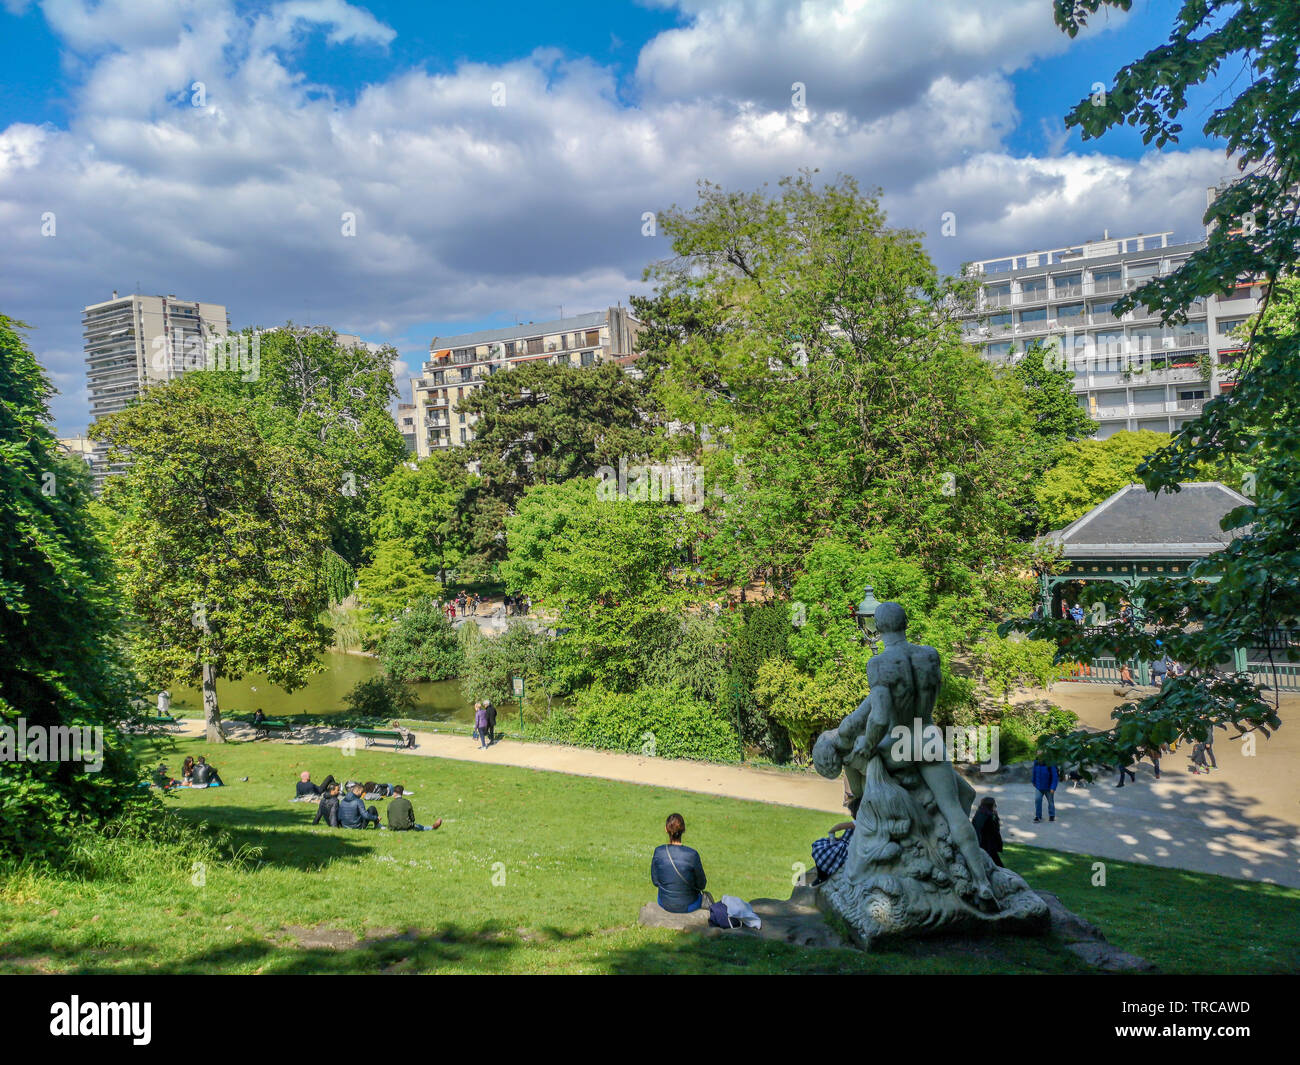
(540, 872)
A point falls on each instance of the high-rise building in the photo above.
(135, 341)
(459, 364)
(1130, 372)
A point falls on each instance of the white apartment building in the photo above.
(135, 341)
(1130, 372)
(459, 364)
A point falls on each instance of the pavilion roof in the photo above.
(1137, 524)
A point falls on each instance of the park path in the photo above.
(1242, 821)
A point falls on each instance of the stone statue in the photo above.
(914, 866)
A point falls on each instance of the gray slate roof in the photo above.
(1135, 523)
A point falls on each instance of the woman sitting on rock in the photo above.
(678, 873)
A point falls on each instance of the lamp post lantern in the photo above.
(866, 617)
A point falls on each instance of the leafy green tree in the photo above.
(607, 581)
(1252, 586)
(813, 357)
(762, 631)
(63, 661)
(542, 514)
(543, 424)
(427, 508)
(386, 587)
(332, 399)
(422, 644)
(1090, 471)
(221, 538)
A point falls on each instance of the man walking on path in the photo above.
(1044, 778)
(491, 712)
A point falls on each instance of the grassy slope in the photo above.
(575, 853)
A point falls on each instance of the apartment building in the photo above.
(135, 341)
(1130, 372)
(459, 364)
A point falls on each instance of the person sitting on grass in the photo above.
(831, 851)
(187, 768)
(353, 812)
(678, 873)
(401, 814)
(206, 775)
(305, 789)
(328, 810)
(160, 778)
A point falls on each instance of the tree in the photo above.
(426, 506)
(543, 424)
(387, 586)
(1090, 471)
(63, 663)
(422, 645)
(813, 357)
(222, 536)
(542, 514)
(607, 579)
(1235, 596)
(332, 399)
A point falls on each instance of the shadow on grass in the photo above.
(494, 950)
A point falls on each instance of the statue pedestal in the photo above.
(905, 877)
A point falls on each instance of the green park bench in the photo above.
(270, 726)
(401, 740)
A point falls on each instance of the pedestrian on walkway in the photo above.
(1209, 749)
(1044, 778)
(491, 712)
(987, 829)
(1153, 752)
(1198, 759)
(481, 725)
(1159, 669)
(1124, 768)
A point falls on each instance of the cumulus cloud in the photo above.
(504, 191)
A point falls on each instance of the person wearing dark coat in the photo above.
(1045, 778)
(988, 830)
(491, 722)
(328, 810)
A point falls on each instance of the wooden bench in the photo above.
(401, 740)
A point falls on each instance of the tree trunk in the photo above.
(211, 712)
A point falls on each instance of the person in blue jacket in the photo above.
(678, 873)
(353, 812)
(1044, 778)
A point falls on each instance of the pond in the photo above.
(323, 694)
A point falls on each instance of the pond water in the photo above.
(323, 694)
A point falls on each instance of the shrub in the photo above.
(423, 644)
(807, 705)
(652, 721)
(381, 697)
(492, 663)
(1022, 728)
(1003, 663)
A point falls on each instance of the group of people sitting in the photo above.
(194, 774)
(344, 805)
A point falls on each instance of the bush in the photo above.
(763, 633)
(807, 705)
(492, 663)
(381, 697)
(423, 644)
(1022, 728)
(1003, 663)
(652, 721)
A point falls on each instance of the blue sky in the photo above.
(473, 211)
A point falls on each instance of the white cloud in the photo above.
(466, 210)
